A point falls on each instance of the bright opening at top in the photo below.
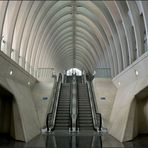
(74, 71)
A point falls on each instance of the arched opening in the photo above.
(138, 115)
(72, 71)
(142, 109)
(6, 115)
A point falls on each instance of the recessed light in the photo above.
(136, 72)
(11, 72)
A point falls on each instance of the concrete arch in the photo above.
(106, 32)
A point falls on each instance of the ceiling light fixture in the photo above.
(11, 72)
(136, 72)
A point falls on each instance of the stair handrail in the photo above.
(97, 119)
(73, 105)
(50, 120)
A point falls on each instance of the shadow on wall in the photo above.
(8, 114)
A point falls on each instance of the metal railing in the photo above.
(97, 119)
(74, 105)
(50, 120)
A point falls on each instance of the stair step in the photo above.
(62, 114)
(63, 105)
(85, 115)
(63, 118)
(85, 125)
(84, 104)
(67, 101)
(62, 101)
(62, 109)
(84, 110)
(62, 122)
(82, 101)
(62, 125)
(85, 118)
(85, 122)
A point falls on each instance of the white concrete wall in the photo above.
(104, 87)
(40, 90)
(29, 109)
(26, 123)
(123, 114)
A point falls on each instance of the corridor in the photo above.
(75, 69)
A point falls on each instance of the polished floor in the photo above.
(80, 140)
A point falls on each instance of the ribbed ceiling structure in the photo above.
(66, 34)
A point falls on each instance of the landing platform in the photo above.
(84, 139)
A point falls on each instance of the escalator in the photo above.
(74, 108)
(79, 79)
(69, 79)
(62, 121)
(85, 120)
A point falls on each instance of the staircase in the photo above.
(85, 121)
(79, 79)
(62, 117)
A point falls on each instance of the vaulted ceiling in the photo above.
(82, 34)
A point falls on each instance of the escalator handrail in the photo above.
(54, 110)
(96, 107)
(94, 115)
(91, 104)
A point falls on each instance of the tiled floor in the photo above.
(79, 140)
